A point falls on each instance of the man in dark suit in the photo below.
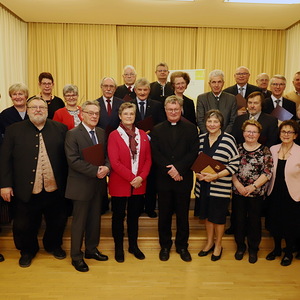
(126, 91)
(85, 186)
(262, 82)
(147, 107)
(109, 115)
(109, 106)
(242, 75)
(277, 84)
(269, 133)
(33, 172)
(161, 88)
(216, 99)
(175, 146)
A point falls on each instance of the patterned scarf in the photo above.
(132, 142)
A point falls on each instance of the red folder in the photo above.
(281, 113)
(206, 164)
(94, 155)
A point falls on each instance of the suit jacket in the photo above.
(120, 158)
(226, 104)
(289, 105)
(156, 91)
(9, 116)
(268, 135)
(291, 171)
(189, 110)
(267, 94)
(19, 154)
(153, 108)
(113, 120)
(250, 89)
(122, 91)
(82, 181)
(63, 116)
(174, 145)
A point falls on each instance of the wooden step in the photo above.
(148, 235)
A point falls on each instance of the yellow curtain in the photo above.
(227, 49)
(292, 61)
(74, 53)
(13, 54)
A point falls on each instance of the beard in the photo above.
(38, 119)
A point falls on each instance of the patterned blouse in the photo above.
(253, 164)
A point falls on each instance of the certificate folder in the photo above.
(206, 164)
(94, 155)
(240, 101)
(147, 124)
(281, 113)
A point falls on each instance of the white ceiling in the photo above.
(202, 13)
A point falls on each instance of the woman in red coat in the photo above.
(130, 158)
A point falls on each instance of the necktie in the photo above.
(277, 102)
(93, 137)
(241, 91)
(129, 89)
(252, 117)
(108, 107)
(142, 109)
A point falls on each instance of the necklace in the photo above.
(286, 152)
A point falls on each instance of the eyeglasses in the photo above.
(91, 113)
(46, 83)
(38, 107)
(160, 71)
(176, 110)
(241, 74)
(71, 96)
(278, 84)
(251, 132)
(129, 74)
(287, 132)
(106, 86)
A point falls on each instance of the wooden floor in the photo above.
(49, 278)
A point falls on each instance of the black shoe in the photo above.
(204, 253)
(25, 260)
(272, 255)
(119, 255)
(252, 257)
(184, 254)
(1, 258)
(164, 254)
(136, 252)
(229, 230)
(239, 254)
(80, 265)
(151, 214)
(58, 253)
(286, 261)
(96, 255)
(217, 257)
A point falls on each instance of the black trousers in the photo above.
(134, 205)
(168, 203)
(28, 217)
(151, 192)
(247, 221)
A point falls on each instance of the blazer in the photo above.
(156, 91)
(250, 89)
(63, 116)
(113, 120)
(153, 108)
(289, 105)
(82, 182)
(226, 104)
(189, 110)
(122, 91)
(19, 154)
(268, 135)
(291, 172)
(121, 171)
(9, 116)
(180, 151)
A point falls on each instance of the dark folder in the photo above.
(281, 113)
(240, 101)
(206, 164)
(147, 124)
(94, 155)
